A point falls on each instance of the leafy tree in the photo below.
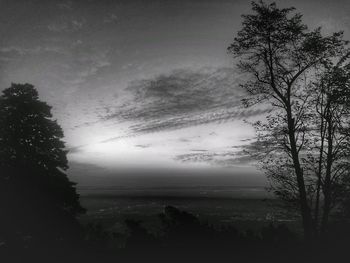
(283, 57)
(33, 161)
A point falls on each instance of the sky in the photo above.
(142, 84)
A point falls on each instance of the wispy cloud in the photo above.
(17, 50)
(223, 159)
(240, 155)
(183, 98)
(111, 18)
(68, 5)
(66, 24)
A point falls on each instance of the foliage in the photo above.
(31, 148)
(39, 203)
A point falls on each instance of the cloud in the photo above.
(82, 65)
(240, 155)
(111, 18)
(223, 159)
(65, 5)
(17, 50)
(181, 99)
(143, 146)
(10, 54)
(66, 24)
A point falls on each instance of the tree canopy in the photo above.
(32, 152)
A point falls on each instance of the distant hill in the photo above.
(92, 179)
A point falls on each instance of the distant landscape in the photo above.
(246, 207)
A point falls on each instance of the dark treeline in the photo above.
(183, 238)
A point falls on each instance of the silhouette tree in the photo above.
(331, 121)
(325, 129)
(282, 57)
(32, 164)
(32, 147)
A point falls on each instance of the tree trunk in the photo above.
(319, 178)
(304, 207)
(327, 181)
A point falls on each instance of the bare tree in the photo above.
(282, 57)
(331, 94)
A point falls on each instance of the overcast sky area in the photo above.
(139, 84)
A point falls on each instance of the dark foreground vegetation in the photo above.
(50, 237)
